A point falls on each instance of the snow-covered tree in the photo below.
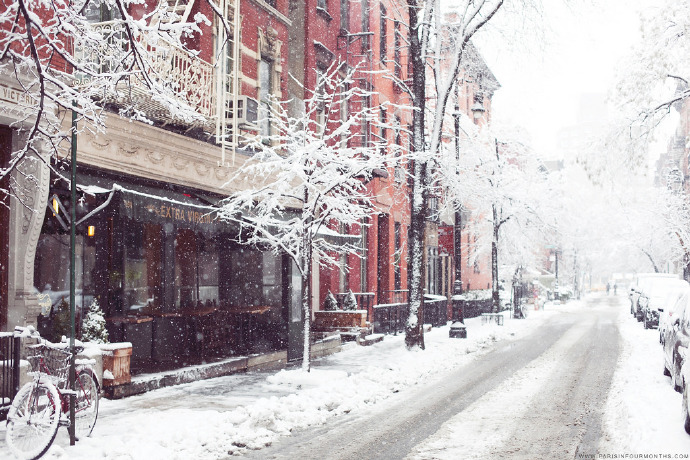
(505, 186)
(657, 73)
(350, 301)
(330, 303)
(93, 326)
(308, 178)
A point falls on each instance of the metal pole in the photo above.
(72, 273)
(457, 228)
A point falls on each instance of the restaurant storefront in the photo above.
(170, 277)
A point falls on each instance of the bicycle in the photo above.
(42, 405)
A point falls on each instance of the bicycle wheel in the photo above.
(33, 420)
(86, 404)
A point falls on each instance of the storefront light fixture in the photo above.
(91, 230)
(56, 205)
(478, 110)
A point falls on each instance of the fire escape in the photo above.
(227, 80)
(359, 56)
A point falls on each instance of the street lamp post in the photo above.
(458, 328)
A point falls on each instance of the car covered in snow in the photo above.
(677, 341)
(653, 295)
(638, 285)
(685, 372)
(652, 286)
(669, 313)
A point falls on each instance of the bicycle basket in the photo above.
(51, 361)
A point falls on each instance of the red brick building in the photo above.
(368, 35)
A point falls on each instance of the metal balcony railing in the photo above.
(188, 76)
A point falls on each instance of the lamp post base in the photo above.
(457, 331)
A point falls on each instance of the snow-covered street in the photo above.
(532, 406)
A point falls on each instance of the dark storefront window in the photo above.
(143, 254)
(255, 277)
(51, 272)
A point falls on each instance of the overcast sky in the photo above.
(544, 82)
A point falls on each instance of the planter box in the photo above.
(326, 320)
(116, 358)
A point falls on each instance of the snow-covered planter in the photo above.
(116, 358)
(340, 319)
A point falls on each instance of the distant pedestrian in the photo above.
(608, 288)
(615, 288)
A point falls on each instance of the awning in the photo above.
(159, 205)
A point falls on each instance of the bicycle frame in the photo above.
(64, 395)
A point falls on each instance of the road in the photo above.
(538, 397)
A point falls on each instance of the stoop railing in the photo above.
(10, 346)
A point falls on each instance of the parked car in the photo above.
(685, 373)
(668, 313)
(653, 295)
(677, 340)
(686, 395)
(637, 286)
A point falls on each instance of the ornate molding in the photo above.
(128, 151)
(155, 156)
(180, 163)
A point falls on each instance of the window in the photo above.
(396, 50)
(320, 90)
(399, 173)
(345, 15)
(365, 24)
(343, 278)
(344, 115)
(363, 256)
(383, 130)
(366, 123)
(265, 86)
(143, 254)
(383, 33)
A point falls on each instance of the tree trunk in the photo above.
(414, 333)
(306, 308)
(496, 301)
(305, 252)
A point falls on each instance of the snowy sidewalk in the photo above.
(216, 418)
(643, 414)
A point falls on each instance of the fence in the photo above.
(9, 370)
(391, 318)
(436, 312)
(471, 308)
(392, 297)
